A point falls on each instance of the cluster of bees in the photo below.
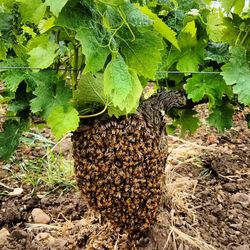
(119, 165)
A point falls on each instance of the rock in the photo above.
(19, 234)
(16, 192)
(241, 198)
(230, 187)
(57, 244)
(43, 236)
(39, 216)
(4, 233)
(212, 219)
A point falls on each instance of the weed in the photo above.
(48, 173)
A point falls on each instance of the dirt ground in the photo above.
(206, 202)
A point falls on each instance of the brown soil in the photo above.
(206, 203)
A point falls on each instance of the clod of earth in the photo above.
(119, 162)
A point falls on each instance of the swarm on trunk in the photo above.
(119, 162)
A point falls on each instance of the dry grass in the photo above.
(178, 191)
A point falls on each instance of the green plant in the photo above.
(47, 174)
(70, 59)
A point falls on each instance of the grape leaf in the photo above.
(46, 24)
(3, 50)
(50, 92)
(117, 81)
(12, 78)
(188, 122)
(56, 5)
(93, 50)
(89, 91)
(10, 137)
(132, 100)
(233, 5)
(160, 26)
(137, 53)
(237, 72)
(32, 11)
(62, 121)
(218, 52)
(116, 2)
(216, 27)
(221, 118)
(190, 58)
(190, 28)
(212, 86)
(135, 17)
(43, 55)
(74, 16)
(238, 6)
(5, 22)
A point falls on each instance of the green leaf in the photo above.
(96, 55)
(237, 72)
(32, 11)
(89, 90)
(56, 5)
(5, 22)
(117, 81)
(188, 122)
(50, 92)
(132, 100)
(63, 120)
(46, 24)
(190, 28)
(135, 17)
(190, 58)
(74, 15)
(115, 2)
(160, 26)
(221, 118)
(216, 27)
(227, 4)
(43, 55)
(10, 137)
(3, 50)
(144, 53)
(218, 52)
(210, 85)
(12, 78)
(238, 6)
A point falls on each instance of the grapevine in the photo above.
(109, 50)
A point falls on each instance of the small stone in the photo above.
(212, 219)
(241, 198)
(4, 233)
(19, 234)
(57, 244)
(43, 236)
(16, 192)
(39, 216)
(230, 187)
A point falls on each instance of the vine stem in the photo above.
(94, 115)
(245, 37)
(75, 67)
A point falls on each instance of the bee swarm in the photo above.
(119, 165)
